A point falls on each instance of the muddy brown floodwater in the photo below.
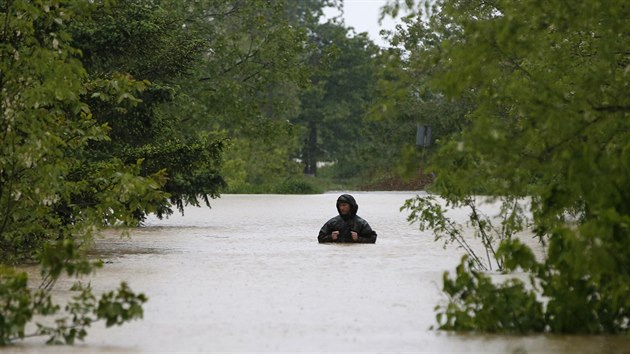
(249, 276)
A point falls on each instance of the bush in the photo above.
(297, 185)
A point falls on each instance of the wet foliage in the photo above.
(547, 120)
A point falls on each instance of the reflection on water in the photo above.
(249, 275)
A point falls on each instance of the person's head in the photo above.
(344, 208)
(346, 205)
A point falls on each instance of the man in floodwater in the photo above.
(347, 226)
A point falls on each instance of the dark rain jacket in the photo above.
(346, 224)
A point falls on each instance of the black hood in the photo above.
(347, 198)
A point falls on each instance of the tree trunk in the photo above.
(310, 150)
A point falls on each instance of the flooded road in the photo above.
(249, 276)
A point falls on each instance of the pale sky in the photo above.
(363, 16)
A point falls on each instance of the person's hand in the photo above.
(334, 235)
(355, 236)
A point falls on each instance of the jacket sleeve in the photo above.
(366, 234)
(325, 233)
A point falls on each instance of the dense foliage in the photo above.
(334, 106)
(148, 43)
(246, 87)
(46, 128)
(548, 87)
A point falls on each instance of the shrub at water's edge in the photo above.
(317, 185)
(290, 185)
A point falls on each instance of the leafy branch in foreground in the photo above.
(21, 304)
(477, 303)
(429, 213)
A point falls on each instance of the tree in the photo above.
(151, 43)
(404, 93)
(550, 122)
(246, 87)
(335, 105)
(46, 128)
